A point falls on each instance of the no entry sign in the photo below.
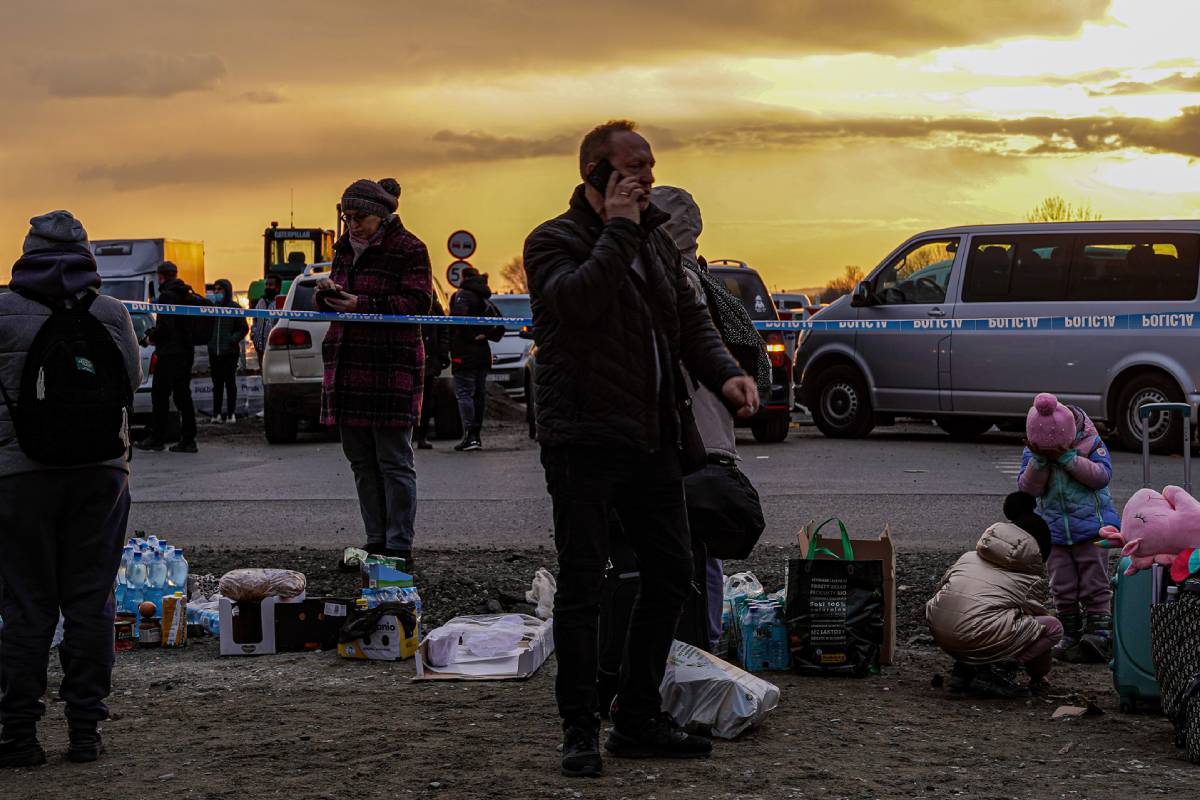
(461, 245)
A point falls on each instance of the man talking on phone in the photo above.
(613, 318)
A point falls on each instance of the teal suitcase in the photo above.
(1132, 663)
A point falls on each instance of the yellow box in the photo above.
(386, 643)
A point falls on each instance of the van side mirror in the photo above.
(863, 295)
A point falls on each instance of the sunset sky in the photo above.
(813, 133)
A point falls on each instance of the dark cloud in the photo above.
(1178, 82)
(263, 97)
(481, 146)
(383, 40)
(129, 75)
(1180, 134)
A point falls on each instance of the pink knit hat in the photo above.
(1049, 423)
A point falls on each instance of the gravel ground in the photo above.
(191, 724)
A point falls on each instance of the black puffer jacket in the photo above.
(172, 336)
(471, 300)
(596, 374)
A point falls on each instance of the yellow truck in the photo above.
(128, 267)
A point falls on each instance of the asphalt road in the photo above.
(933, 493)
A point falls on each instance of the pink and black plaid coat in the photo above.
(373, 371)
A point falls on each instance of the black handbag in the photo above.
(724, 511)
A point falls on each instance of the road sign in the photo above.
(454, 273)
(461, 244)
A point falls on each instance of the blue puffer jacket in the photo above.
(1073, 496)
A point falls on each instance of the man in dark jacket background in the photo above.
(175, 353)
(437, 358)
(613, 317)
(224, 354)
(471, 354)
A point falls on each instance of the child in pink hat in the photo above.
(1068, 468)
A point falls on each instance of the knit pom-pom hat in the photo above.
(1049, 425)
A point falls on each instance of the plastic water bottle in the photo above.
(177, 572)
(135, 581)
(122, 590)
(156, 580)
(152, 542)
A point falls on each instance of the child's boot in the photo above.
(1096, 642)
(1072, 625)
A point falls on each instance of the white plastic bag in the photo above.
(257, 584)
(485, 636)
(707, 695)
(541, 594)
(742, 583)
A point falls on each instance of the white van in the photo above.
(968, 379)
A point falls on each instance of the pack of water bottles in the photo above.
(151, 571)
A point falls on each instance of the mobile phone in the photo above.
(598, 177)
(323, 296)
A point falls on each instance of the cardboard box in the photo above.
(383, 575)
(248, 626)
(386, 643)
(313, 624)
(882, 549)
(535, 649)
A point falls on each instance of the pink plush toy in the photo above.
(1155, 528)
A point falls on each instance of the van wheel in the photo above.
(1166, 432)
(842, 406)
(770, 431)
(964, 429)
(280, 426)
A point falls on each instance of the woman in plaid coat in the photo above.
(372, 388)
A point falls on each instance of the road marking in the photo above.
(1008, 466)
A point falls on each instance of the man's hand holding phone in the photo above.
(621, 198)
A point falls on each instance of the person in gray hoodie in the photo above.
(61, 528)
(713, 419)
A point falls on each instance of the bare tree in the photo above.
(1056, 209)
(842, 285)
(513, 273)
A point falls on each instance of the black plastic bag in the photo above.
(724, 511)
(834, 611)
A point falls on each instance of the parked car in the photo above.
(510, 353)
(774, 419)
(968, 379)
(293, 368)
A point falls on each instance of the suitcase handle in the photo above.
(1184, 410)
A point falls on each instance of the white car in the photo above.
(292, 368)
(510, 353)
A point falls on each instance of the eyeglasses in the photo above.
(355, 219)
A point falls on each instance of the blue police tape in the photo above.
(1159, 320)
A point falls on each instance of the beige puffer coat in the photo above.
(983, 611)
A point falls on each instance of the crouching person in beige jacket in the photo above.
(985, 613)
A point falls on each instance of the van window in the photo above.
(1135, 267)
(1010, 269)
(304, 296)
(919, 275)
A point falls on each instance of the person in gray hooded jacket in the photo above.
(61, 528)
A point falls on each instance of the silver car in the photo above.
(970, 377)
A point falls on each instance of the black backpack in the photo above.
(75, 400)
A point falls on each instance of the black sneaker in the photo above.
(461, 446)
(474, 444)
(581, 752)
(21, 751)
(992, 681)
(656, 737)
(85, 745)
(150, 444)
(424, 445)
(184, 447)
